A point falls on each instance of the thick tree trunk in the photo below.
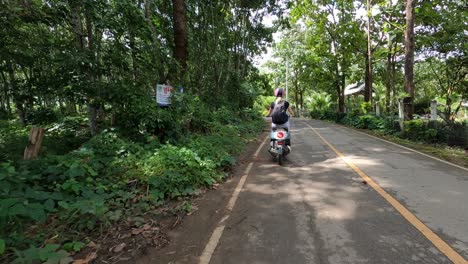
(180, 34)
(35, 141)
(409, 59)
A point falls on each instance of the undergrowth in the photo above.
(49, 206)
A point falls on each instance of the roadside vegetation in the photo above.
(55, 205)
(354, 62)
(112, 159)
(435, 138)
(86, 72)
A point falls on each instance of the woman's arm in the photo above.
(269, 111)
(291, 111)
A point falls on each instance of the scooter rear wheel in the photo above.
(280, 159)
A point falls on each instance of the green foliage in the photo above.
(50, 254)
(384, 125)
(418, 130)
(366, 107)
(13, 140)
(2, 247)
(112, 176)
(262, 104)
(42, 116)
(174, 172)
(60, 137)
(319, 102)
(319, 105)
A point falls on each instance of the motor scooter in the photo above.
(280, 141)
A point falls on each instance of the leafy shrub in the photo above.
(325, 115)
(319, 102)
(175, 171)
(422, 106)
(262, 104)
(13, 140)
(112, 176)
(366, 107)
(384, 125)
(366, 121)
(418, 130)
(42, 116)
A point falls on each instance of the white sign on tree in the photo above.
(163, 94)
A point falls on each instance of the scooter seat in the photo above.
(276, 128)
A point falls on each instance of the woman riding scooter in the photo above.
(278, 112)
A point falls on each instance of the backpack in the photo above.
(279, 115)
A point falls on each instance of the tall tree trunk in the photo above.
(2, 103)
(92, 106)
(16, 97)
(394, 75)
(301, 95)
(369, 77)
(5, 91)
(296, 88)
(180, 35)
(388, 79)
(75, 7)
(134, 56)
(7, 98)
(409, 59)
(367, 81)
(341, 99)
(389, 76)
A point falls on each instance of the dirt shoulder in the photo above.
(187, 237)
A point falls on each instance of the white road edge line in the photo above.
(403, 147)
(210, 247)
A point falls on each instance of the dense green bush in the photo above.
(262, 104)
(455, 134)
(112, 176)
(384, 125)
(41, 116)
(418, 130)
(13, 140)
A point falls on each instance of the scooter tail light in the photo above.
(280, 135)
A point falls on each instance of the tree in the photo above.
(180, 34)
(409, 59)
(336, 35)
(442, 41)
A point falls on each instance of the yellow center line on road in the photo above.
(418, 224)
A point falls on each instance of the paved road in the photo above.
(317, 209)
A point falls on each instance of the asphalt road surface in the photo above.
(341, 197)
